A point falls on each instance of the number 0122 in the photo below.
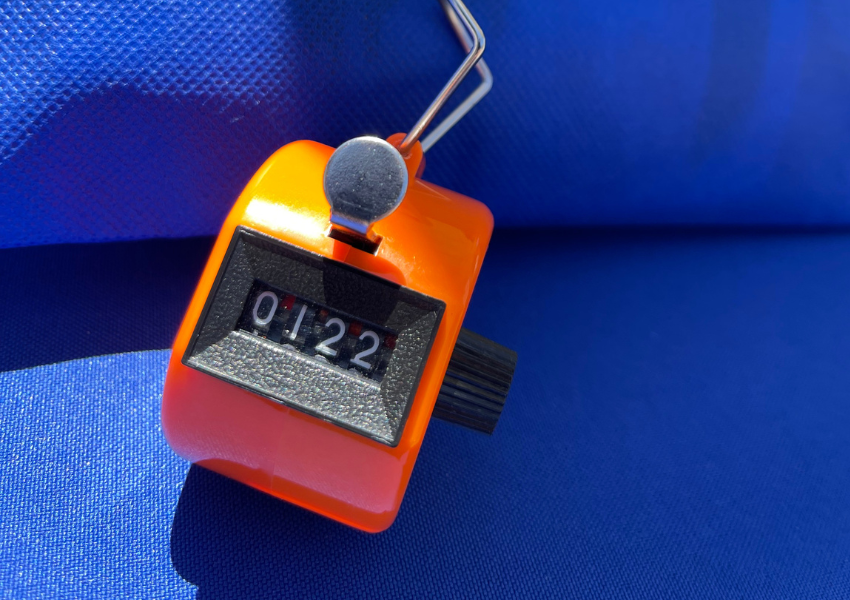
(319, 331)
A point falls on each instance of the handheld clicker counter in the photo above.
(326, 327)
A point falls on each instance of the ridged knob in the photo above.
(476, 384)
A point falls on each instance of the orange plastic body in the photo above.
(433, 243)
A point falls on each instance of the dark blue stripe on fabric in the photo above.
(78, 300)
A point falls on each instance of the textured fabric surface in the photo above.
(89, 483)
(123, 120)
(677, 429)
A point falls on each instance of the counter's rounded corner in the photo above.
(481, 213)
(298, 150)
(486, 215)
(380, 525)
(474, 211)
(302, 152)
(372, 523)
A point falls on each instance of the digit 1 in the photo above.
(300, 318)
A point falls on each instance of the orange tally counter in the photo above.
(433, 245)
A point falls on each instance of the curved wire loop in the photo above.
(472, 39)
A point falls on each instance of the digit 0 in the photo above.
(267, 319)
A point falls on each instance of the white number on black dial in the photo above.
(307, 327)
(261, 321)
(324, 346)
(358, 358)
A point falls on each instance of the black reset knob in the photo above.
(476, 383)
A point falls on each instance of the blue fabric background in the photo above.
(677, 429)
(678, 425)
(126, 120)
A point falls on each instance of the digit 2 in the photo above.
(323, 346)
(358, 358)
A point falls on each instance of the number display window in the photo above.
(315, 330)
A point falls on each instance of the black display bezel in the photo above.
(300, 381)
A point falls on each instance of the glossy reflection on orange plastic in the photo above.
(434, 243)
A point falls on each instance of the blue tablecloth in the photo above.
(677, 429)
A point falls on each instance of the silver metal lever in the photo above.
(483, 88)
(366, 178)
(472, 38)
